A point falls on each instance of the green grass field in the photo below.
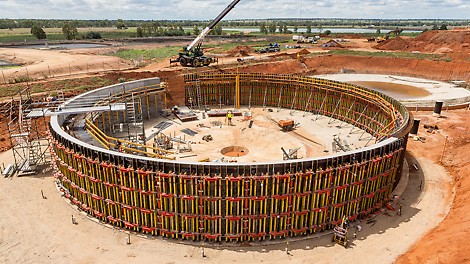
(55, 34)
(169, 51)
(157, 53)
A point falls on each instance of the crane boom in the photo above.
(193, 55)
(208, 29)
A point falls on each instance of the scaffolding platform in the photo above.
(38, 112)
(27, 130)
(223, 112)
(78, 110)
(26, 168)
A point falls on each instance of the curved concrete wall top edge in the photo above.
(56, 122)
(104, 92)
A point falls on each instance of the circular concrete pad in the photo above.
(234, 151)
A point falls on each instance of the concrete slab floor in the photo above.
(263, 141)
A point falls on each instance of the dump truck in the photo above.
(304, 39)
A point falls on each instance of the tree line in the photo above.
(158, 28)
(69, 30)
(155, 29)
(314, 22)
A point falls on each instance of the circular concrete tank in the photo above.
(243, 201)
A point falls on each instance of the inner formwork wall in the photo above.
(366, 109)
(147, 100)
(225, 201)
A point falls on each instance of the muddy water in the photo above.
(395, 90)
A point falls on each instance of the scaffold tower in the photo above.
(27, 130)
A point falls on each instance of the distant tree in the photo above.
(327, 32)
(296, 28)
(140, 32)
(120, 24)
(309, 29)
(377, 31)
(70, 31)
(280, 28)
(272, 27)
(38, 32)
(181, 31)
(217, 30)
(284, 29)
(92, 35)
(196, 30)
(435, 27)
(263, 29)
(320, 28)
(443, 27)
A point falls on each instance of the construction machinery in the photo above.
(286, 124)
(292, 154)
(272, 47)
(193, 55)
(395, 32)
(304, 39)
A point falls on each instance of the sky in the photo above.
(256, 9)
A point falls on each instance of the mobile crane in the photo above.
(192, 55)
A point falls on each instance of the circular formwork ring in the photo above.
(243, 201)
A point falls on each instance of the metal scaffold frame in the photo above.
(123, 129)
(27, 130)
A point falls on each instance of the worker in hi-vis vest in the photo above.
(229, 117)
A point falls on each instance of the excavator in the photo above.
(192, 55)
(395, 32)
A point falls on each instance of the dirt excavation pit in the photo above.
(410, 91)
(234, 151)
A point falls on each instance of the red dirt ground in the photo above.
(448, 242)
(453, 42)
(240, 51)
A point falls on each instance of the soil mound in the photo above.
(303, 52)
(397, 43)
(240, 51)
(431, 41)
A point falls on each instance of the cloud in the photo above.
(208, 9)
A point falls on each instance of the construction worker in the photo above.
(229, 117)
(119, 146)
(190, 101)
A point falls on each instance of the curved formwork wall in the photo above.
(243, 201)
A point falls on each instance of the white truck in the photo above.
(303, 39)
